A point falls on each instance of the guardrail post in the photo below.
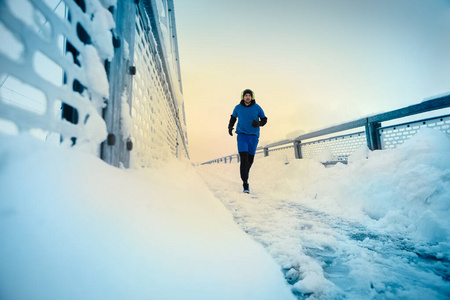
(298, 149)
(373, 137)
(120, 84)
(266, 152)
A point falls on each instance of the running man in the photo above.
(250, 117)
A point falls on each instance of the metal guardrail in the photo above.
(374, 136)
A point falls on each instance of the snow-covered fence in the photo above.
(36, 68)
(394, 135)
(330, 148)
(101, 72)
(147, 112)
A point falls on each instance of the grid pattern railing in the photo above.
(341, 147)
(393, 136)
(155, 130)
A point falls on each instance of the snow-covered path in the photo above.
(323, 252)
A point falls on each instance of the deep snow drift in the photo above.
(73, 227)
(375, 228)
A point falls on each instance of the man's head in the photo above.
(247, 96)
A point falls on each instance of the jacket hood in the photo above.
(251, 103)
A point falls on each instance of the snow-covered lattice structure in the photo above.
(94, 72)
(146, 88)
(340, 147)
(52, 61)
(393, 136)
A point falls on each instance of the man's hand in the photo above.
(230, 130)
(255, 123)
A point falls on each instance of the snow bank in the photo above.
(404, 191)
(73, 227)
(375, 228)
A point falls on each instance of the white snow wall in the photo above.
(101, 73)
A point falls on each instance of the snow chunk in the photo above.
(126, 121)
(360, 154)
(325, 155)
(126, 50)
(95, 128)
(102, 24)
(96, 76)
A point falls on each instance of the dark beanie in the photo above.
(247, 91)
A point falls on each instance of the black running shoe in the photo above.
(246, 188)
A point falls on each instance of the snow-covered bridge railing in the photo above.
(352, 135)
(148, 106)
(101, 72)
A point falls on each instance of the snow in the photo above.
(73, 227)
(375, 228)
(102, 24)
(126, 121)
(96, 76)
(126, 50)
(95, 130)
(325, 155)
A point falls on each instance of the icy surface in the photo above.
(73, 227)
(373, 229)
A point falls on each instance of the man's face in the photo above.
(247, 99)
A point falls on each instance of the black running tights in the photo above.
(246, 164)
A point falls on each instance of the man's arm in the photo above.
(231, 124)
(263, 121)
(259, 123)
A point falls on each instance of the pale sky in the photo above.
(311, 63)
